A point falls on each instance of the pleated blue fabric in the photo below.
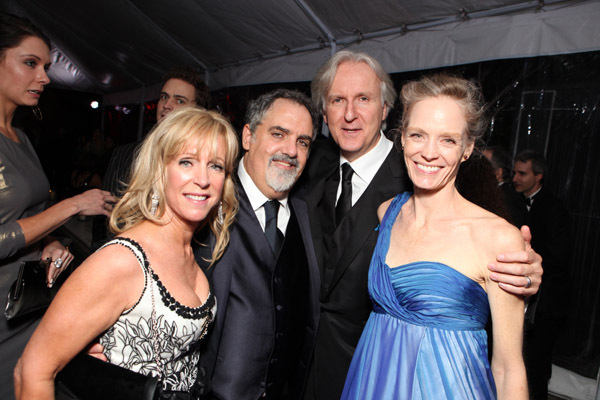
(425, 338)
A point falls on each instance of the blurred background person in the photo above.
(143, 293)
(502, 164)
(25, 223)
(549, 222)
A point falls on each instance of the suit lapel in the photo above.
(299, 208)
(361, 221)
(318, 200)
(256, 237)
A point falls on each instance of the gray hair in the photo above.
(258, 107)
(322, 82)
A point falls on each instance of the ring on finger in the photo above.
(528, 285)
(58, 262)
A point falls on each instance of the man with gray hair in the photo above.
(346, 180)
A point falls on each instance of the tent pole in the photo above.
(317, 21)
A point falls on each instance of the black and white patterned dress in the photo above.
(131, 344)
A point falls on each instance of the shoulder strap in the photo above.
(139, 254)
(135, 248)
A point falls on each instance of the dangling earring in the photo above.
(220, 217)
(37, 112)
(154, 203)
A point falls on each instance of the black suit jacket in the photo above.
(238, 349)
(344, 256)
(549, 223)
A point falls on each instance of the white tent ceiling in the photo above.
(121, 48)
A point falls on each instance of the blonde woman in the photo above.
(143, 293)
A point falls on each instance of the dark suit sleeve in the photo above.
(549, 222)
(556, 249)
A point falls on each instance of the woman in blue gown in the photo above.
(428, 279)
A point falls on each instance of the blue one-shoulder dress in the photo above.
(425, 338)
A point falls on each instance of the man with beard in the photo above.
(266, 283)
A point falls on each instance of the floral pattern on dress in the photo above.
(130, 342)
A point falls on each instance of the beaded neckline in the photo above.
(168, 300)
(202, 311)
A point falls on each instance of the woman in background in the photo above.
(143, 292)
(428, 278)
(24, 220)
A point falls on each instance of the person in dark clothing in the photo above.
(502, 164)
(549, 223)
(267, 282)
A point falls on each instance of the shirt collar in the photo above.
(256, 197)
(533, 194)
(368, 164)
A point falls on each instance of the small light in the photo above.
(94, 104)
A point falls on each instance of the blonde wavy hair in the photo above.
(165, 142)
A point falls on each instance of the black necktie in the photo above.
(529, 201)
(274, 235)
(344, 203)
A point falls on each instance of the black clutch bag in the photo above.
(29, 292)
(87, 378)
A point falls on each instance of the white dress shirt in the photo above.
(365, 167)
(531, 199)
(258, 199)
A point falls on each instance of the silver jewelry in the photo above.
(58, 262)
(220, 219)
(154, 203)
(528, 285)
(37, 112)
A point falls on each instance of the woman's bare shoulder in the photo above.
(115, 260)
(497, 234)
